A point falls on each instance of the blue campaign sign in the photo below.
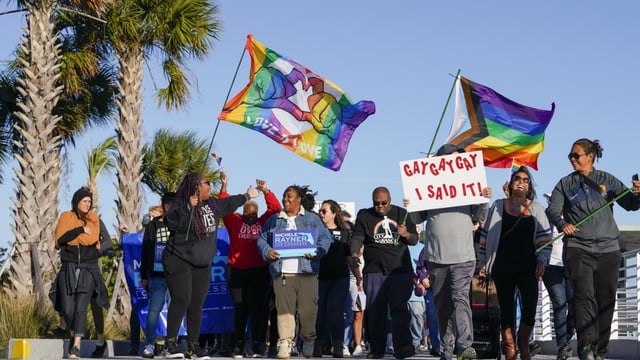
(295, 243)
(217, 313)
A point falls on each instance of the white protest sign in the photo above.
(444, 181)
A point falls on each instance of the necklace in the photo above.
(517, 208)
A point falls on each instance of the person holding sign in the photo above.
(452, 262)
(293, 242)
(193, 224)
(581, 207)
(386, 231)
(515, 227)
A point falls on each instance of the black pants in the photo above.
(506, 284)
(188, 287)
(250, 295)
(595, 280)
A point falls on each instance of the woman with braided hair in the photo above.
(192, 221)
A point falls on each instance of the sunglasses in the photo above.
(378, 203)
(206, 182)
(575, 156)
(525, 180)
(323, 211)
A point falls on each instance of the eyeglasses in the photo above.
(378, 203)
(323, 211)
(206, 182)
(525, 180)
(575, 156)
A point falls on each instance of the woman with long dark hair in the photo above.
(192, 220)
(516, 226)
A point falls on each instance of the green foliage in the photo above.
(24, 318)
(170, 156)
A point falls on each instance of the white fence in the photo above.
(626, 322)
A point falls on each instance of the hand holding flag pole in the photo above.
(604, 206)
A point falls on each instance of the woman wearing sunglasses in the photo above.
(592, 251)
(516, 226)
(333, 284)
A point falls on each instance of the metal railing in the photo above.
(626, 321)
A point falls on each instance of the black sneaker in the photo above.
(173, 349)
(564, 352)
(238, 350)
(272, 352)
(98, 352)
(258, 349)
(74, 353)
(534, 348)
(374, 356)
(195, 352)
(404, 351)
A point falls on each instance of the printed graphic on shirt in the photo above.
(384, 231)
(209, 219)
(250, 232)
(162, 234)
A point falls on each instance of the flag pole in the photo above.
(585, 219)
(244, 50)
(453, 86)
(215, 131)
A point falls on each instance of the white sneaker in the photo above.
(284, 349)
(357, 352)
(147, 352)
(345, 351)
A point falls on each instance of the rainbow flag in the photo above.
(504, 130)
(295, 107)
(515, 165)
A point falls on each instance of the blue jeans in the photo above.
(432, 319)
(561, 294)
(331, 305)
(417, 321)
(158, 294)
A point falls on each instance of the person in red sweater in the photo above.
(247, 273)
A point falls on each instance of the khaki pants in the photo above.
(300, 293)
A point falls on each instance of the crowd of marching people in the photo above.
(372, 286)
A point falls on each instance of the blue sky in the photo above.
(583, 56)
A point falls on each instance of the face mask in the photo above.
(250, 219)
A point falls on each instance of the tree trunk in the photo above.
(38, 175)
(129, 133)
(120, 305)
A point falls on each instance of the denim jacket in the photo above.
(304, 220)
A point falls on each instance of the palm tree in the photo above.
(177, 31)
(169, 157)
(99, 159)
(38, 139)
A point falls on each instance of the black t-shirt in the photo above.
(516, 252)
(333, 265)
(384, 251)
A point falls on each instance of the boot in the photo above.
(523, 341)
(509, 344)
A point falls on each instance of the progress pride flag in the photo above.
(444, 181)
